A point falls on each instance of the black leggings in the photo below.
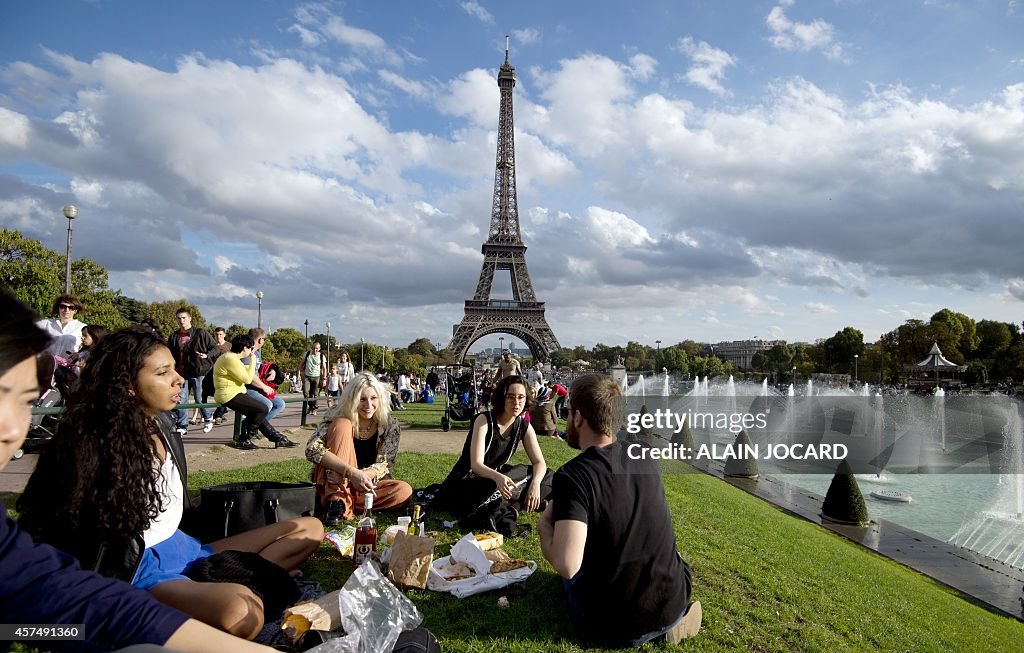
(254, 411)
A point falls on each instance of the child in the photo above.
(333, 386)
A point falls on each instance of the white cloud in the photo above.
(1016, 288)
(709, 65)
(308, 37)
(802, 37)
(642, 66)
(473, 8)
(14, 129)
(526, 36)
(412, 87)
(819, 307)
(222, 264)
(317, 21)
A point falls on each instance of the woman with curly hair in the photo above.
(354, 452)
(110, 489)
(483, 475)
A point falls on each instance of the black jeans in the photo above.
(255, 411)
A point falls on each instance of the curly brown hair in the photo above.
(97, 477)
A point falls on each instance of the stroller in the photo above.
(63, 374)
(464, 405)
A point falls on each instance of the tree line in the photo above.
(993, 351)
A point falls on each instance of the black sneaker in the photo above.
(285, 443)
(335, 513)
(246, 445)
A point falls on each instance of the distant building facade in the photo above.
(741, 352)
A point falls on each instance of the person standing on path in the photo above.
(313, 372)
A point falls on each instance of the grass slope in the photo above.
(767, 581)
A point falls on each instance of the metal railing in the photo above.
(237, 427)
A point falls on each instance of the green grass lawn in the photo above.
(767, 581)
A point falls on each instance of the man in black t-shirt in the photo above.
(608, 532)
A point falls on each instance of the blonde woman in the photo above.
(354, 452)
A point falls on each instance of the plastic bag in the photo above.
(373, 613)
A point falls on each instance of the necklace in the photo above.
(366, 430)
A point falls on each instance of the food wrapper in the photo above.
(392, 532)
(410, 560)
(344, 540)
(322, 614)
(468, 570)
(489, 540)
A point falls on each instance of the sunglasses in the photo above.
(66, 307)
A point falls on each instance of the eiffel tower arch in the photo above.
(523, 316)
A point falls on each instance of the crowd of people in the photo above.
(102, 535)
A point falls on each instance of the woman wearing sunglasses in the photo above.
(64, 330)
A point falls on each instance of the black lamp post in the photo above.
(259, 309)
(306, 324)
(856, 359)
(328, 343)
(70, 212)
(362, 348)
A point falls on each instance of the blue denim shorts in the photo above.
(168, 560)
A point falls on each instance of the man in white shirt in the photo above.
(65, 330)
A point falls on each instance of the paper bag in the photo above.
(322, 614)
(409, 564)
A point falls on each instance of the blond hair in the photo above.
(348, 404)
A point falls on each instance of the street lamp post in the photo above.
(305, 323)
(362, 348)
(259, 309)
(328, 343)
(70, 212)
(501, 345)
(856, 358)
(658, 356)
(794, 376)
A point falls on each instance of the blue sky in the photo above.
(704, 170)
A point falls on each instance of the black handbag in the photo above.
(234, 508)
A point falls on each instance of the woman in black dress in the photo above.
(483, 474)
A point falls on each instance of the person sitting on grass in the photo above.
(482, 475)
(608, 532)
(110, 489)
(354, 452)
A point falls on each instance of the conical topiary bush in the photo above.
(844, 504)
(646, 433)
(684, 437)
(740, 465)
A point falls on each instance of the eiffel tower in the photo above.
(523, 316)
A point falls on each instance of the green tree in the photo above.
(35, 275)
(131, 309)
(675, 359)
(961, 327)
(163, 314)
(290, 346)
(840, 349)
(993, 338)
(232, 331)
(421, 346)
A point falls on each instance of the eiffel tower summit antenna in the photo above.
(523, 316)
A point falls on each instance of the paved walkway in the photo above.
(211, 451)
